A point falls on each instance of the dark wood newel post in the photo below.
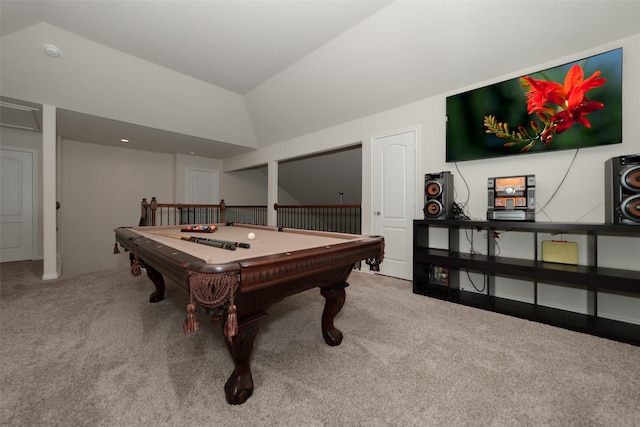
(154, 207)
(143, 212)
(223, 207)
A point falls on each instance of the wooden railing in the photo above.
(336, 218)
(246, 214)
(154, 213)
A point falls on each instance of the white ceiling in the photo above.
(236, 45)
(305, 65)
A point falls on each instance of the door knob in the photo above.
(378, 213)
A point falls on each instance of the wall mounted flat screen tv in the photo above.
(575, 105)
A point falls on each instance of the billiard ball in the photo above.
(251, 236)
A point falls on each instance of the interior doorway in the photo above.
(17, 204)
(202, 186)
(393, 199)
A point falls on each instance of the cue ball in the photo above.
(251, 236)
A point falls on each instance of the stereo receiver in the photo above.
(511, 198)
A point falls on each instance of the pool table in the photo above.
(236, 285)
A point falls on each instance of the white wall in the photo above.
(93, 79)
(245, 187)
(319, 179)
(101, 189)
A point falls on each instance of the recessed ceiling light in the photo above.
(193, 153)
(52, 50)
(125, 140)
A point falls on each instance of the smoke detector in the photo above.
(52, 50)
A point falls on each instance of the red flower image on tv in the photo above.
(557, 106)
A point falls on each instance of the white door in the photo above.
(16, 208)
(202, 186)
(394, 184)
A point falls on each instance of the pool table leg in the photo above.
(334, 300)
(239, 386)
(158, 281)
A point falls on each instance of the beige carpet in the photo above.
(92, 351)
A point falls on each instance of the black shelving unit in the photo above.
(436, 273)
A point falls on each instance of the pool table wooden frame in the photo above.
(263, 281)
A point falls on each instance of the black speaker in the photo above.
(622, 190)
(438, 195)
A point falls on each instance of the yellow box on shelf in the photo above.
(560, 251)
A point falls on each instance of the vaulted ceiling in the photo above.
(302, 66)
(236, 45)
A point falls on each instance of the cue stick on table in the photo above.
(237, 244)
(209, 242)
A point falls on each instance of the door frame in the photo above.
(418, 187)
(35, 191)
